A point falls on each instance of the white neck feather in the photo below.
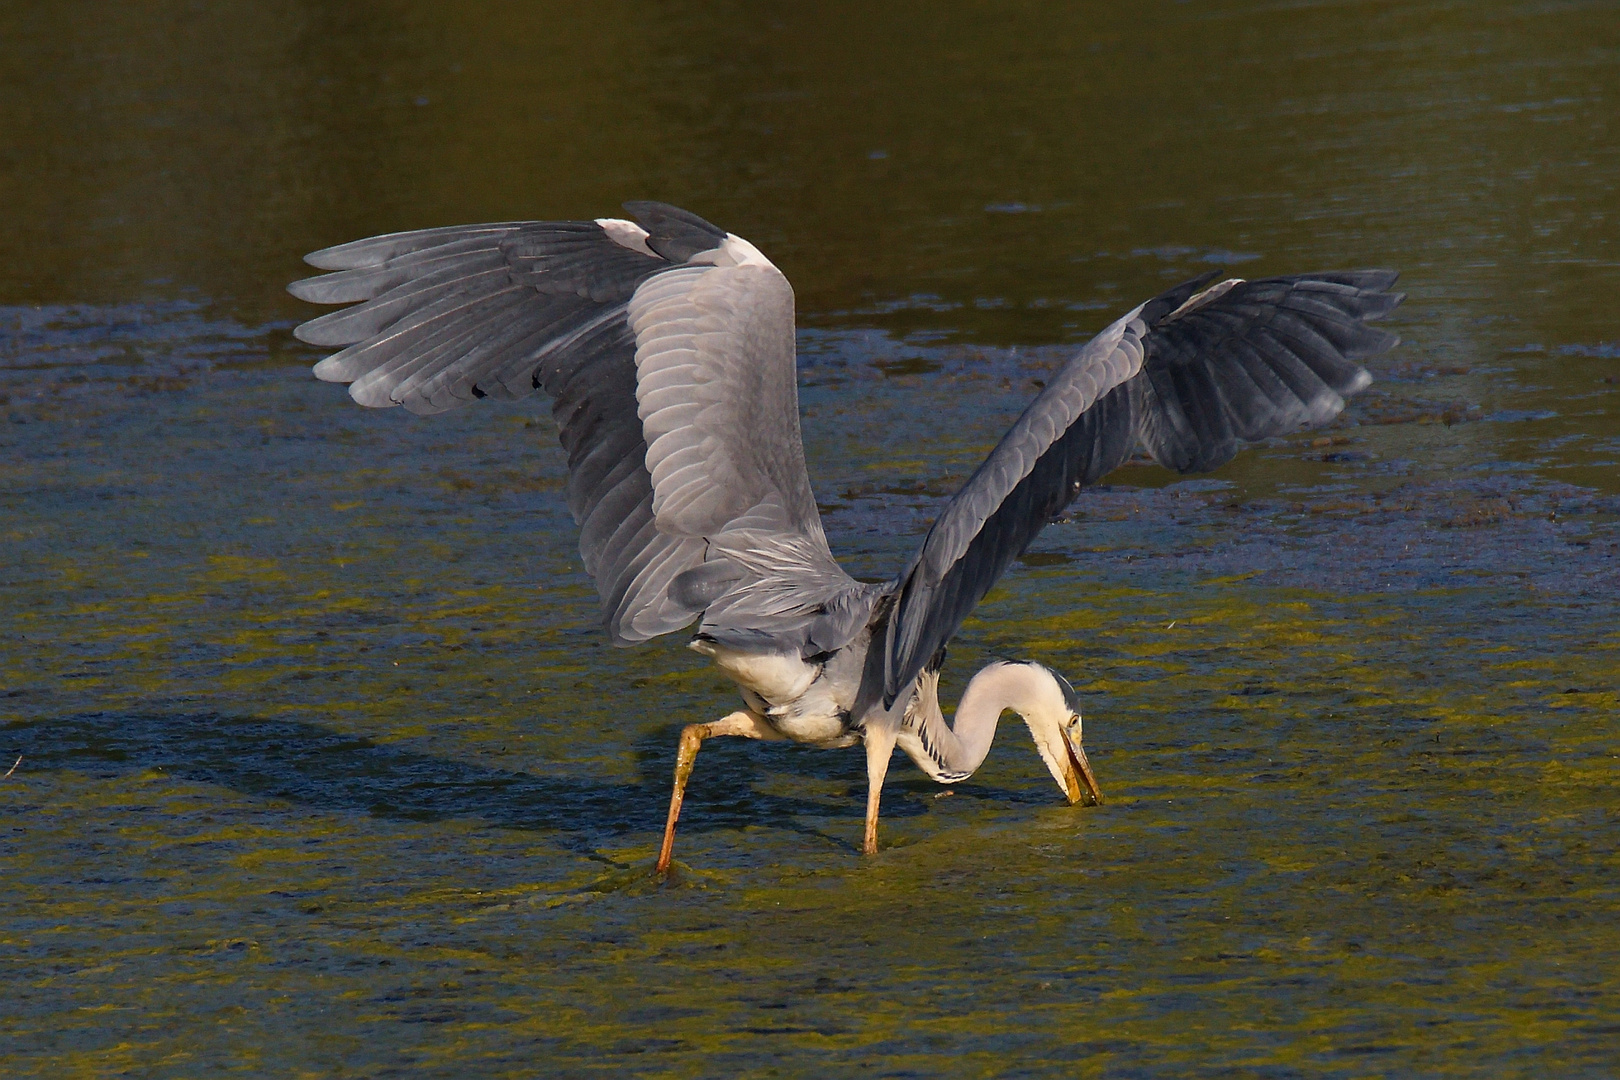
(952, 752)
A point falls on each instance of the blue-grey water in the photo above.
(326, 768)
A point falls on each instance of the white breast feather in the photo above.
(777, 677)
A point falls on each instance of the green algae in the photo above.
(327, 770)
(384, 819)
(1357, 864)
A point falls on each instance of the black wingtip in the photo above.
(674, 233)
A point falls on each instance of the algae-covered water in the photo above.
(327, 769)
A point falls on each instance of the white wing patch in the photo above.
(627, 234)
(1193, 303)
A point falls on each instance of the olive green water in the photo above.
(326, 769)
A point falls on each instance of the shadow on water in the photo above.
(333, 771)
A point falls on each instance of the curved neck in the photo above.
(954, 751)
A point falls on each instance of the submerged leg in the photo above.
(745, 722)
(879, 749)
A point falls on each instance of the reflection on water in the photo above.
(323, 751)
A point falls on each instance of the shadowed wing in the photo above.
(446, 316)
(1187, 376)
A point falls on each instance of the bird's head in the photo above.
(1051, 708)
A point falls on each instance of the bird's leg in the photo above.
(880, 742)
(745, 722)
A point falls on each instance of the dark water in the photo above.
(327, 770)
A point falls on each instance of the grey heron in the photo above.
(667, 347)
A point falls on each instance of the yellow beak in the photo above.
(1081, 781)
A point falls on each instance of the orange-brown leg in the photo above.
(745, 722)
(879, 749)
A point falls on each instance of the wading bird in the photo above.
(667, 347)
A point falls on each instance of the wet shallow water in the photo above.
(327, 769)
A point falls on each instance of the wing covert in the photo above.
(717, 388)
(719, 401)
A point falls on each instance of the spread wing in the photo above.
(1188, 376)
(447, 316)
(718, 393)
(718, 398)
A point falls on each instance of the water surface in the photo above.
(328, 770)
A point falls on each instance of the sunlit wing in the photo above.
(1188, 377)
(718, 393)
(705, 376)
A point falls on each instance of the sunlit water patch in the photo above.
(323, 750)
